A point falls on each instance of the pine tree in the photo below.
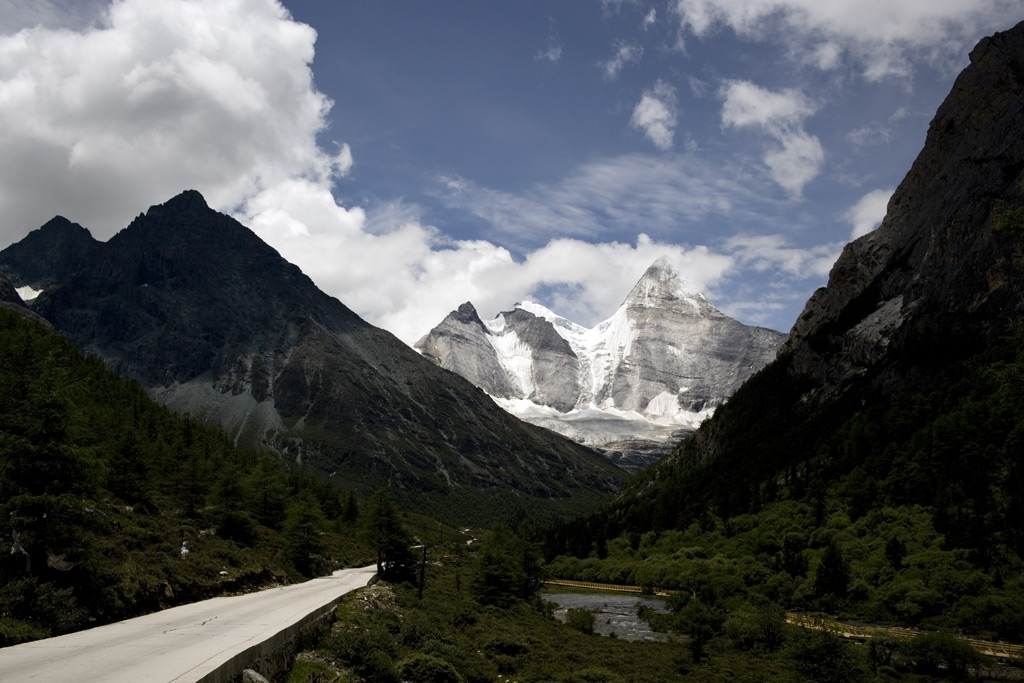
(384, 532)
(302, 532)
(833, 576)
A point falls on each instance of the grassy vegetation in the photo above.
(1008, 218)
(890, 566)
(455, 633)
(908, 511)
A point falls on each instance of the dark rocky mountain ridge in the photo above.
(937, 286)
(215, 323)
(946, 261)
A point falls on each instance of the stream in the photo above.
(614, 612)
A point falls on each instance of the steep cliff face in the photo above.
(939, 282)
(662, 363)
(943, 273)
(214, 322)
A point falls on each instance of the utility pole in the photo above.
(423, 571)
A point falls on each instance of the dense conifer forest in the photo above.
(908, 511)
(112, 506)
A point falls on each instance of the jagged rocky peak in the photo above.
(47, 254)
(660, 364)
(663, 287)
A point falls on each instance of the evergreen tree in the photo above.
(230, 503)
(508, 569)
(833, 576)
(302, 532)
(384, 532)
(268, 491)
(351, 513)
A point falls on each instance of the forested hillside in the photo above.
(113, 506)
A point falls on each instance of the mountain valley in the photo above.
(874, 469)
(183, 413)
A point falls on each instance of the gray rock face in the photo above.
(943, 272)
(462, 331)
(214, 322)
(8, 294)
(683, 347)
(664, 361)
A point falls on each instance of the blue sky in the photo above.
(410, 156)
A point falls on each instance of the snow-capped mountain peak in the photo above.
(662, 362)
(661, 286)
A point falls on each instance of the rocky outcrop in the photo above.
(663, 362)
(943, 274)
(11, 301)
(939, 282)
(48, 254)
(461, 339)
(214, 322)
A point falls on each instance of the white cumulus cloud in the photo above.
(881, 38)
(655, 114)
(154, 97)
(408, 278)
(868, 212)
(797, 156)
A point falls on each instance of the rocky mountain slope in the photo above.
(879, 460)
(10, 300)
(660, 364)
(214, 322)
(920, 321)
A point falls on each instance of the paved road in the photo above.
(182, 644)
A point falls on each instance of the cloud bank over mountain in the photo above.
(109, 106)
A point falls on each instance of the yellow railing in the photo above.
(605, 587)
(863, 632)
(822, 623)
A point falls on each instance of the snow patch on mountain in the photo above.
(27, 293)
(515, 357)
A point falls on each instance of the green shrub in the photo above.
(822, 657)
(1008, 218)
(423, 668)
(596, 675)
(377, 666)
(938, 653)
(581, 619)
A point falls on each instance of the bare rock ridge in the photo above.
(941, 279)
(216, 323)
(944, 269)
(662, 363)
